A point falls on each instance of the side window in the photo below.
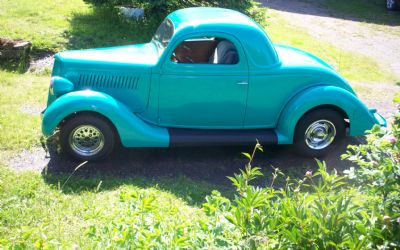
(206, 50)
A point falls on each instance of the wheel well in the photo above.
(331, 107)
(101, 116)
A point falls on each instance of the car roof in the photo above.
(209, 17)
(209, 20)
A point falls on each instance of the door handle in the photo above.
(242, 83)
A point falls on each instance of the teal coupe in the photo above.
(209, 76)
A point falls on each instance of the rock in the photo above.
(131, 13)
(14, 49)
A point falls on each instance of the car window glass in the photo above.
(163, 35)
(206, 50)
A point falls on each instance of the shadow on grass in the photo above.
(369, 11)
(103, 27)
(189, 173)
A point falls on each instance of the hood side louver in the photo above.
(108, 81)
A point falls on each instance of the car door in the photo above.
(194, 92)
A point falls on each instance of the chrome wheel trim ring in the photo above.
(389, 4)
(320, 134)
(86, 140)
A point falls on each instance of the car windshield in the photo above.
(163, 35)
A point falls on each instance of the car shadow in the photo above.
(360, 11)
(198, 169)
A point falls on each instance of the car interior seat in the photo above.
(225, 53)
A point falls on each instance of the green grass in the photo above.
(35, 212)
(42, 22)
(19, 130)
(59, 25)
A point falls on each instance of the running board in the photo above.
(205, 137)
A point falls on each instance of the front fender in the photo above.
(360, 117)
(133, 131)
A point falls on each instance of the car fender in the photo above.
(360, 117)
(133, 131)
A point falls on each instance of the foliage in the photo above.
(161, 8)
(320, 211)
(378, 176)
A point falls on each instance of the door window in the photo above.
(206, 50)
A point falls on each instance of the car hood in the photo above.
(290, 56)
(139, 54)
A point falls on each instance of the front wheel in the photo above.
(318, 132)
(87, 137)
(391, 4)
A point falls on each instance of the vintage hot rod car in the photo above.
(208, 76)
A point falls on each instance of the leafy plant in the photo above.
(378, 178)
(161, 8)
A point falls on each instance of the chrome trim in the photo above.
(86, 140)
(320, 134)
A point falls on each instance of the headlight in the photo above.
(60, 85)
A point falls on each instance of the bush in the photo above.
(161, 8)
(322, 210)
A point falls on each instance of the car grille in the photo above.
(107, 81)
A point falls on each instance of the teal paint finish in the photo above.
(203, 95)
(205, 20)
(361, 119)
(142, 92)
(271, 89)
(122, 72)
(131, 129)
(60, 85)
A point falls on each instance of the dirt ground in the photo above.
(210, 164)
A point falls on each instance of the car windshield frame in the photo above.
(163, 35)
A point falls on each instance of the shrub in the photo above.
(160, 8)
(324, 210)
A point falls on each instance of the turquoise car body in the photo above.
(143, 93)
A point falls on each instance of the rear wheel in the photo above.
(391, 4)
(318, 132)
(87, 137)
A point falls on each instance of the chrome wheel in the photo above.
(390, 4)
(320, 134)
(86, 140)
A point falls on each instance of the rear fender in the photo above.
(132, 131)
(360, 117)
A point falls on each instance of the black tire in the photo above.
(318, 132)
(391, 5)
(87, 137)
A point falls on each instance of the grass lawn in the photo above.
(41, 212)
(22, 96)
(36, 210)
